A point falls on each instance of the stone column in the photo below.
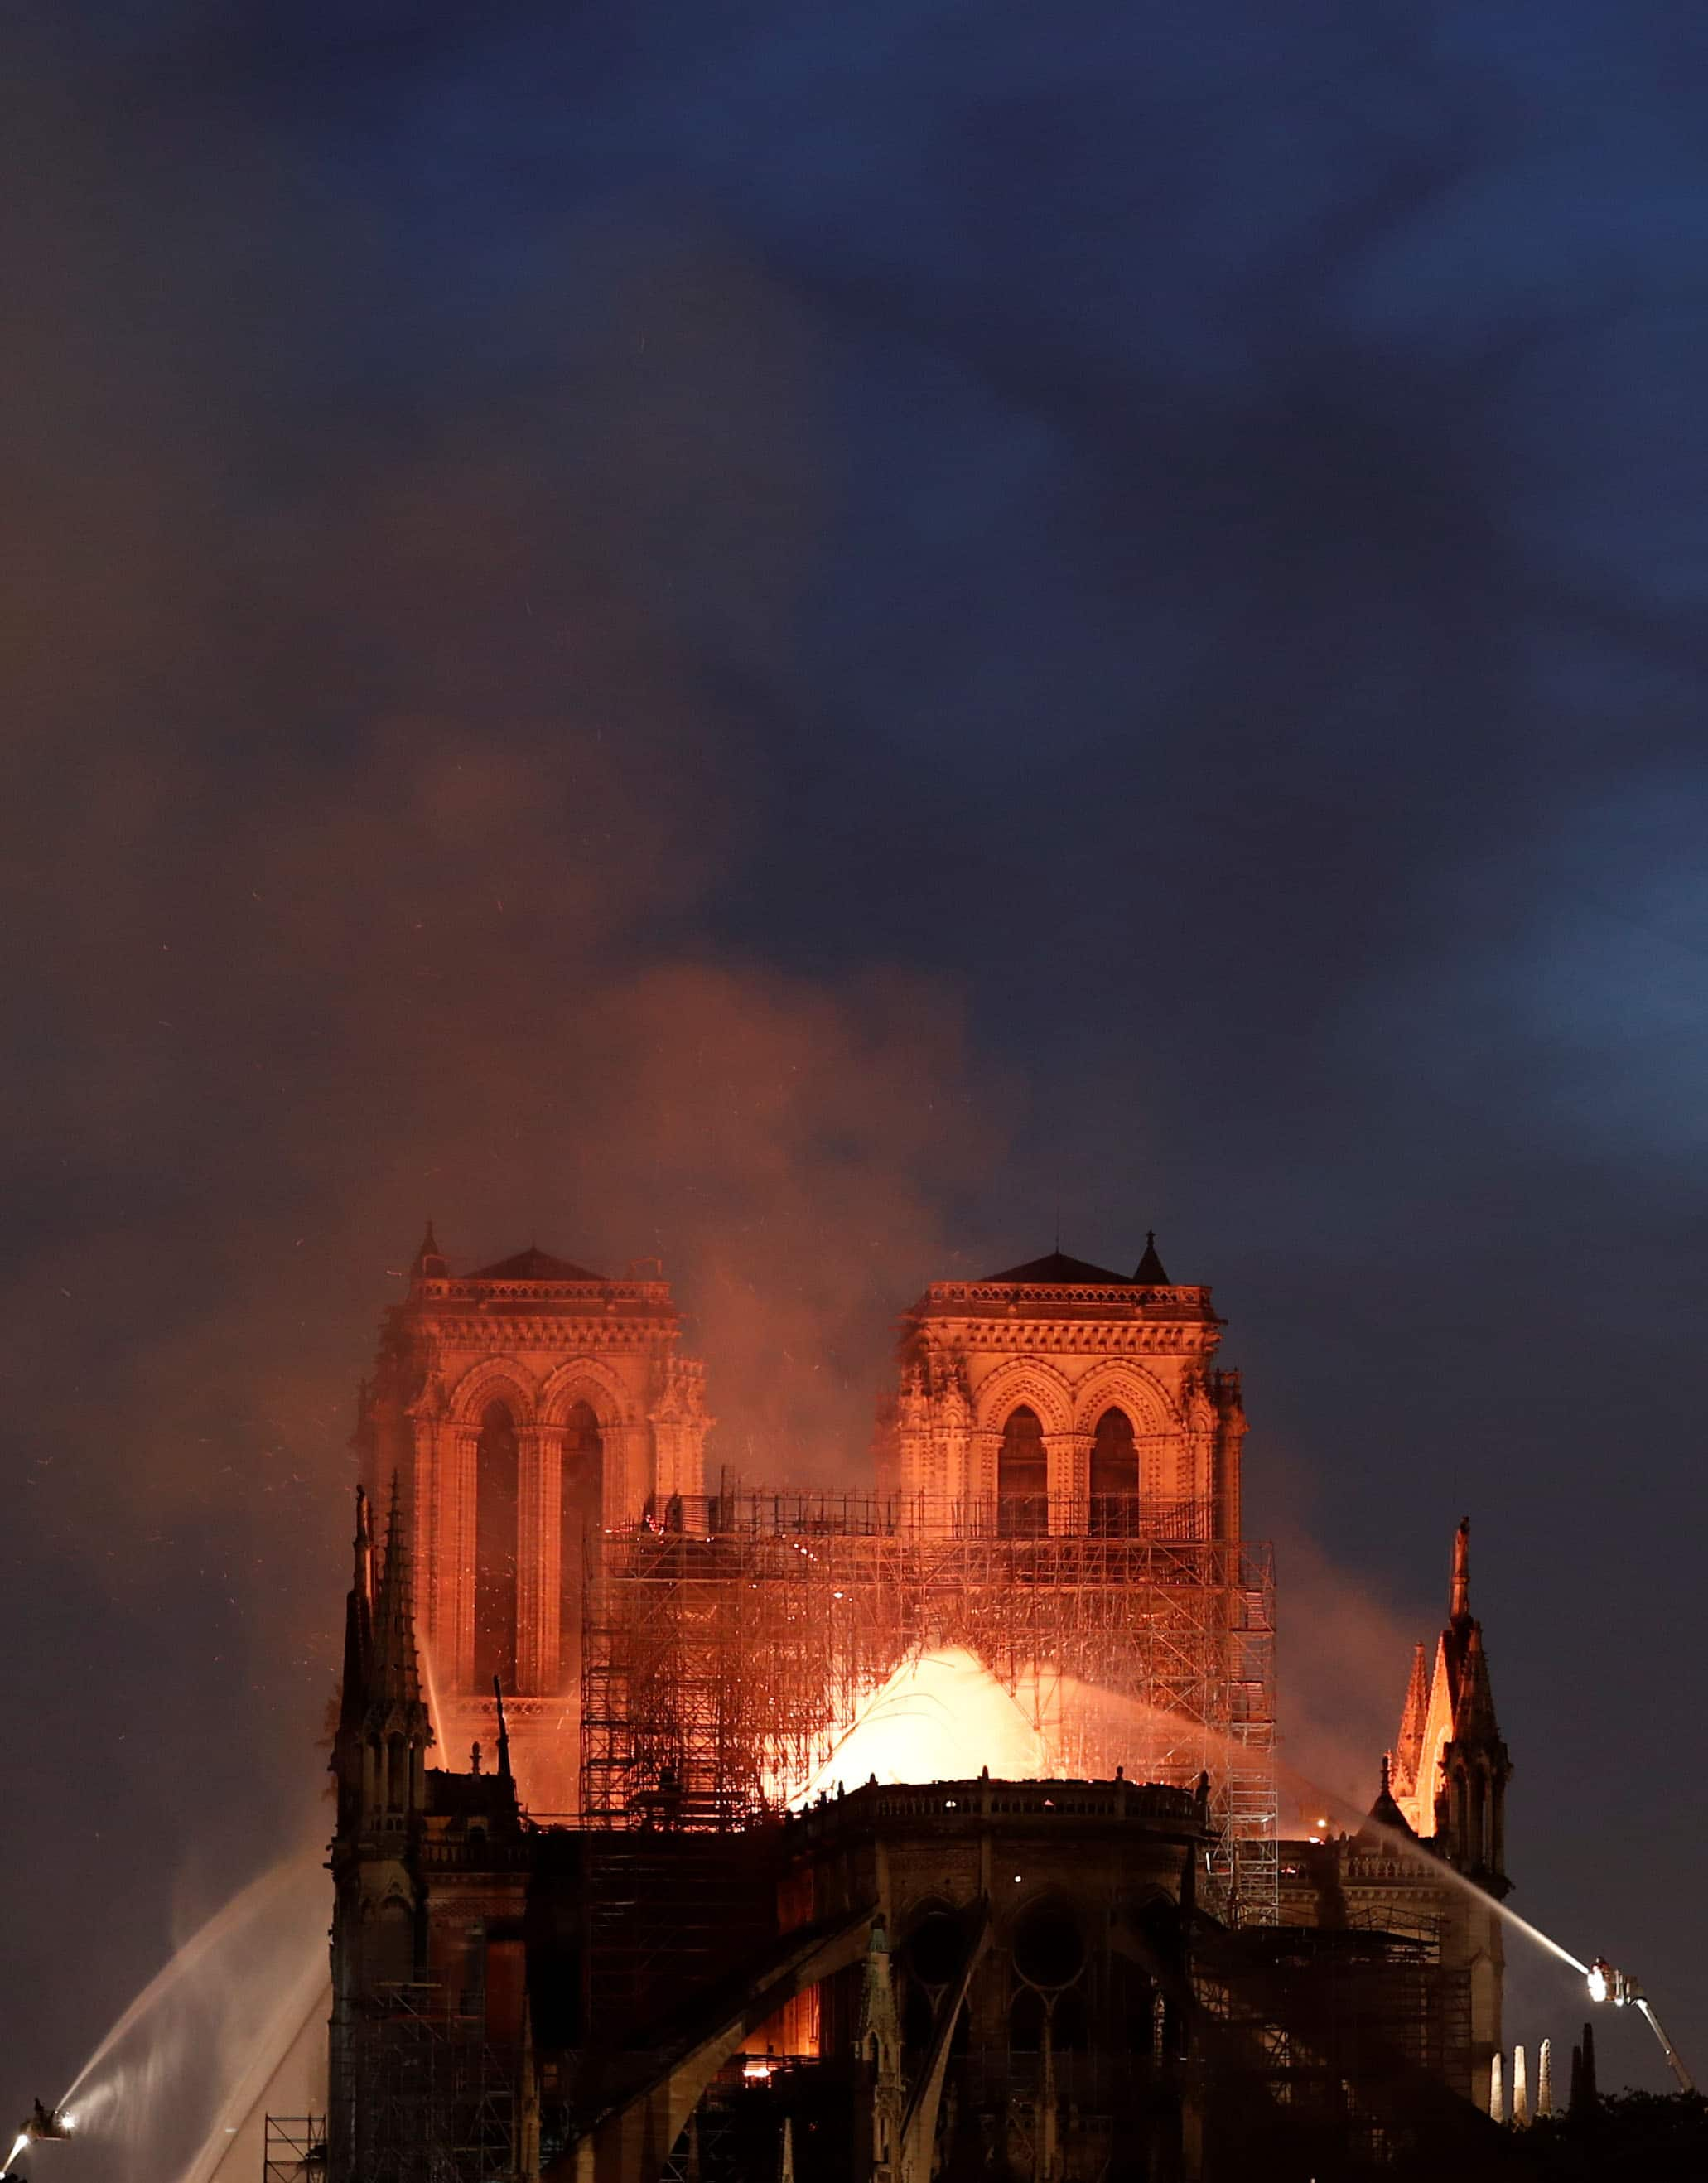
(1068, 1455)
(982, 1448)
(1229, 1451)
(912, 1438)
(539, 1478)
(1202, 1445)
(957, 1469)
(423, 1514)
(642, 1465)
(626, 1453)
(456, 1558)
(947, 1480)
(679, 1423)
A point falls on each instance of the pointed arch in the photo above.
(592, 1440)
(588, 1379)
(1118, 1383)
(1027, 1379)
(1119, 1468)
(1114, 1474)
(1023, 1475)
(493, 1380)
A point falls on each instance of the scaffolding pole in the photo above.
(429, 2099)
(729, 1650)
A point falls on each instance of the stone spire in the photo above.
(877, 2018)
(1473, 1714)
(1459, 1609)
(879, 2047)
(429, 1263)
(394, 1695)
(358, 1626)
(1470, 1804)
(504, 1773)
(1151, 1267)
(1414, 1721)
(394, 1730)
(1385, 1811)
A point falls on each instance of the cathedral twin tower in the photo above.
(1057, 1464)
(528, 1406)
(529, 1409)
(522, 1408)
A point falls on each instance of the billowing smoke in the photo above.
(540, 589)
(379, 851)
(1345, 1655)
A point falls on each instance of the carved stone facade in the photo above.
(1061, 1397)
(495, 1973)
(1442, 1805)
(1450, 1766)
(524, 1408)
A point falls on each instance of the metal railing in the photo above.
(741, 1512)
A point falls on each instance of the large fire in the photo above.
(940, 1717)
(944, 1716)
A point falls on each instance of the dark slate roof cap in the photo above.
(1151, 1266)
(533, 1264)
(1066, 1272)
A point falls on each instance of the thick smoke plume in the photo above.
(781, 642)
(365, 852)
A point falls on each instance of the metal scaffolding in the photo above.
(294, 2149)
(727, 1651)
(430, 2099)
(1361, 2029)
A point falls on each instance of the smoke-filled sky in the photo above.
(797, 637)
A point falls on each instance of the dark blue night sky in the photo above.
(794, 636)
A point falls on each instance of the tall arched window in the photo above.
(495, 1500)
(582, 1512)
(1023, 1477)
(1115, 1476)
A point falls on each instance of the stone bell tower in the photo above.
(525, 1407)
(1060, 1398)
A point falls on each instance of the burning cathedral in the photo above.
(692, 1827)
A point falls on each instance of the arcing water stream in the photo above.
(940, 1716)
(254, 1902)
(177, 2091)
(174, 2093)
(167, 2094)
(1404, 1844)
